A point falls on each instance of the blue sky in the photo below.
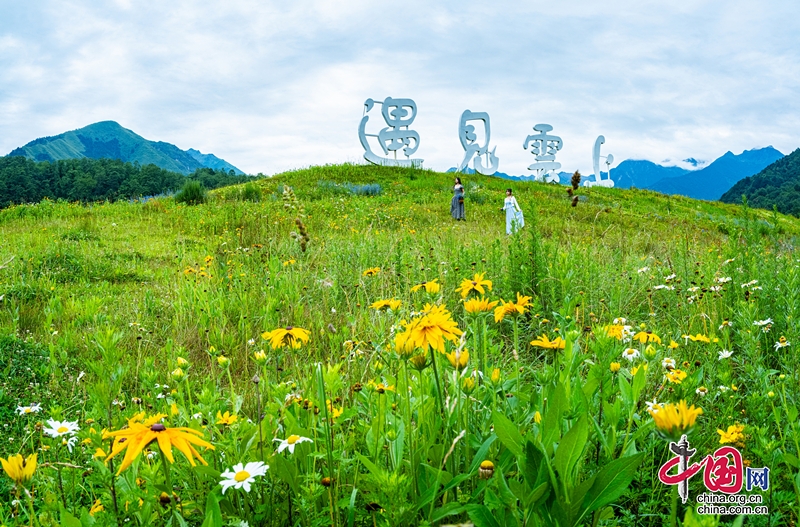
(271, 86)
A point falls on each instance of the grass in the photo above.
(101, 301)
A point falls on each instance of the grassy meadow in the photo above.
(232, 363)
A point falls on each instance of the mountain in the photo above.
(641, 174)
(777, 185)
(714, 180)
(107, 139)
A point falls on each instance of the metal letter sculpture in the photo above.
(468, 138)
(544, 147)
(395, 136)
(598, 179)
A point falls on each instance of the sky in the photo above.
(274, 85)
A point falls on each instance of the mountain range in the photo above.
(107, 139)
(709, 182)
(778, 185)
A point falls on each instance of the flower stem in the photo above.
(438, 387)
(167, 479)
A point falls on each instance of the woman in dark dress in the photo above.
(457, 203)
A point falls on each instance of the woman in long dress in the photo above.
(457, 203)
(514, 218)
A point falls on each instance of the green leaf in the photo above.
(480, 456)
(213, 513)
(535, 468)
(611, 482)
(351, 508)
(625, 390)
(481, 516)
(638, 383)
(791, 460)
(448, 510)
(508, 433)
(372, 467)
(570, 450)
(556, 405)
(68, 520)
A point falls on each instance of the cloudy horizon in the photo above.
(270, 88)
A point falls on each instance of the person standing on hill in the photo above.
(457, 203)
(514, 218)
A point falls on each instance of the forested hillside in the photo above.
(26, 181)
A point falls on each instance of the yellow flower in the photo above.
(177, 374)
(140, 434)
(223, 361)
(732, 435)
(18, 468)
(647, 336)
(97, 507)
(174, 409)
(288, 262)
(467, 385)
(372, 271)
(477, 284)
(676, 376)
(432, 286)
(333, 412)
(260, 356)
(182, 362)
(382, 305)
(458, 359)
(544, 342)
(99, 453)
(673, 344)
(433, 328)
(419, 362)
(288, 336)
(673, 420)
(496, 376)
(615, 366)
(636, 368)
(479, 305)
(537, 417)
(226, 419)
(512, 308)
(486, 469)
(699, 338)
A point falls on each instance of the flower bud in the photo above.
(486, 469)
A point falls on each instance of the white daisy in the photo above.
(723, 389)
(651, 404)
(241, 475)
(198, 415)
(643, 270)
(748, 284)
(668, 363)
(701, 391)
(762, 323)
(670, 277)
(631, 354)
(725, 354)
(620, 321)
(723, 280)
(667, 287)
(32, 409)
(782, 343)
(61, 428)
(69, 443)
(290, 442)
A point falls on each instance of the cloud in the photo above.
(271, 86)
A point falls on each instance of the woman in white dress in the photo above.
(514, 218)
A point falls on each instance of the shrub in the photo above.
(192, 193)
(251, 192)
(370, 189)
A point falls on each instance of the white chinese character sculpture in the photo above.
(395, 136)
(598, 178)
(544, 147)
(468, 138)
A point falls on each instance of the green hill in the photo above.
(329, 325)
(778, 185)
(107, 139)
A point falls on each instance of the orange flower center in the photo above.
(292, 439)
(62, 430)
(241, 476)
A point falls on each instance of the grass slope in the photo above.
(120, 291)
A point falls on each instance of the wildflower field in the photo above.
(331, 348)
